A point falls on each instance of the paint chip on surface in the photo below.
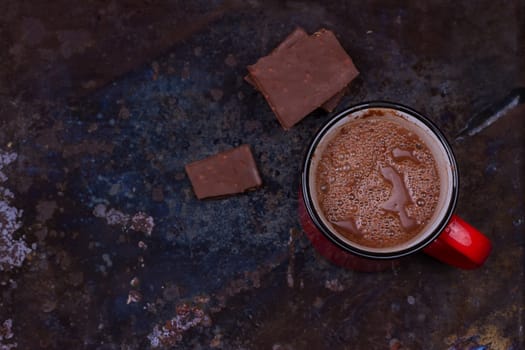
(140, 221)
(334, 285)
(13, 251)
(187, 317)
(6, 334)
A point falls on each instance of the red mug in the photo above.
(446, 237)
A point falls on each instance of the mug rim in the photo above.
(326, 231)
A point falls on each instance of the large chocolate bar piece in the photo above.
(298, 79)
(294, 37)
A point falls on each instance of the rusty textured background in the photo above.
(105, 101)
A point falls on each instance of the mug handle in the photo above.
(460, 245)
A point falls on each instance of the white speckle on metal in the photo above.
(12, 251)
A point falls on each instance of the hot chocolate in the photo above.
(377, 182)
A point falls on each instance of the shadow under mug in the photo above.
(447, 237)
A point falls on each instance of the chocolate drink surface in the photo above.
(377, 182)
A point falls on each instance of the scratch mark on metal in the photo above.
(486, 118)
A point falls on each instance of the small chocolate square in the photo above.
(297, 80)
(229, 172)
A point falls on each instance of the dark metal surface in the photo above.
(103, 104)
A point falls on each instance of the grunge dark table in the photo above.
(103, 103)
